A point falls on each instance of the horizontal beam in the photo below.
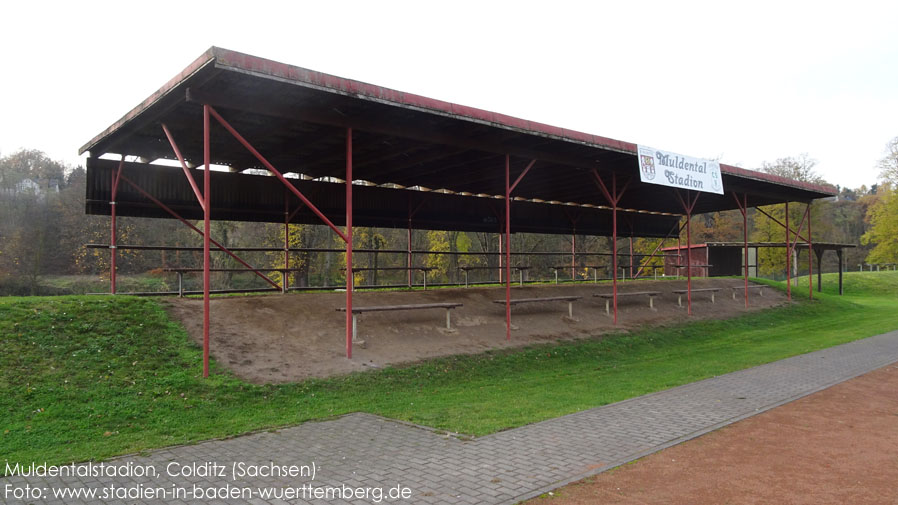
(386, 251)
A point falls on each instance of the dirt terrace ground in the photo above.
(278, 338)
(838, 446)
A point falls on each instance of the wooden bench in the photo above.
(595, 271)
(610, 296)
(681, 292)
(372, 269)
(182, 271)
(759, 287)
(381, 308)
(520, 269)
(569, 299)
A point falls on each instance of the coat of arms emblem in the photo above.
(648, 167)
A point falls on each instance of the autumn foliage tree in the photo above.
(883, 213)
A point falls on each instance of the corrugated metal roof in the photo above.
(297, 118)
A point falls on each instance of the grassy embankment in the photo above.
(91, 377)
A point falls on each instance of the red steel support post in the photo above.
(689, 259)
(777, 221)
(745, 242)
(743, 208)
(613, 197)
(679, 251)
(688, 206)
(286, 276)
(206, 234)
(614, 245)
(508, 248)
(348, 235)
(788, 257)
(810, 257)
(227, 126)
(112, 232)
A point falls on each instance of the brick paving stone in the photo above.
(360, 450)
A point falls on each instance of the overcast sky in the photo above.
(745, 82)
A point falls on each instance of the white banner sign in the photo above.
(678, 171)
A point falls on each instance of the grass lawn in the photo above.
(92, 377)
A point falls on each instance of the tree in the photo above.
(30, 164)
(882, 213)
(888, 165)
(716, 227)
(799, 168)
(772, 261)
(883, 232)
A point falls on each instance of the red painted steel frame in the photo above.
(790, 246)
(688, 206)
(508, 189)
(810, 255)
(206, 236)
(112, 231)
(679, 229)
(805, 216)
(788, 257)
(194, 228)
(743, 208)
(348, 238)
(285, 279)
(614, 198)
(745, 244)
(777, 221)
(174, 146)
(275, 171)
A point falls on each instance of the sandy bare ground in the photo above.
(838, 446)
(284, 338)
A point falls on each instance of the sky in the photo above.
(742, 82)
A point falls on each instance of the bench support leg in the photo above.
(651, 302)
(355, 335)
(680, 300)
(712, 297)
(448, 319)
(180, 285)
(570, 310)
(556, 276)
(607, 308)
(734, 293)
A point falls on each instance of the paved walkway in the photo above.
(360, 450)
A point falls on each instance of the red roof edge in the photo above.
(263, 66)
